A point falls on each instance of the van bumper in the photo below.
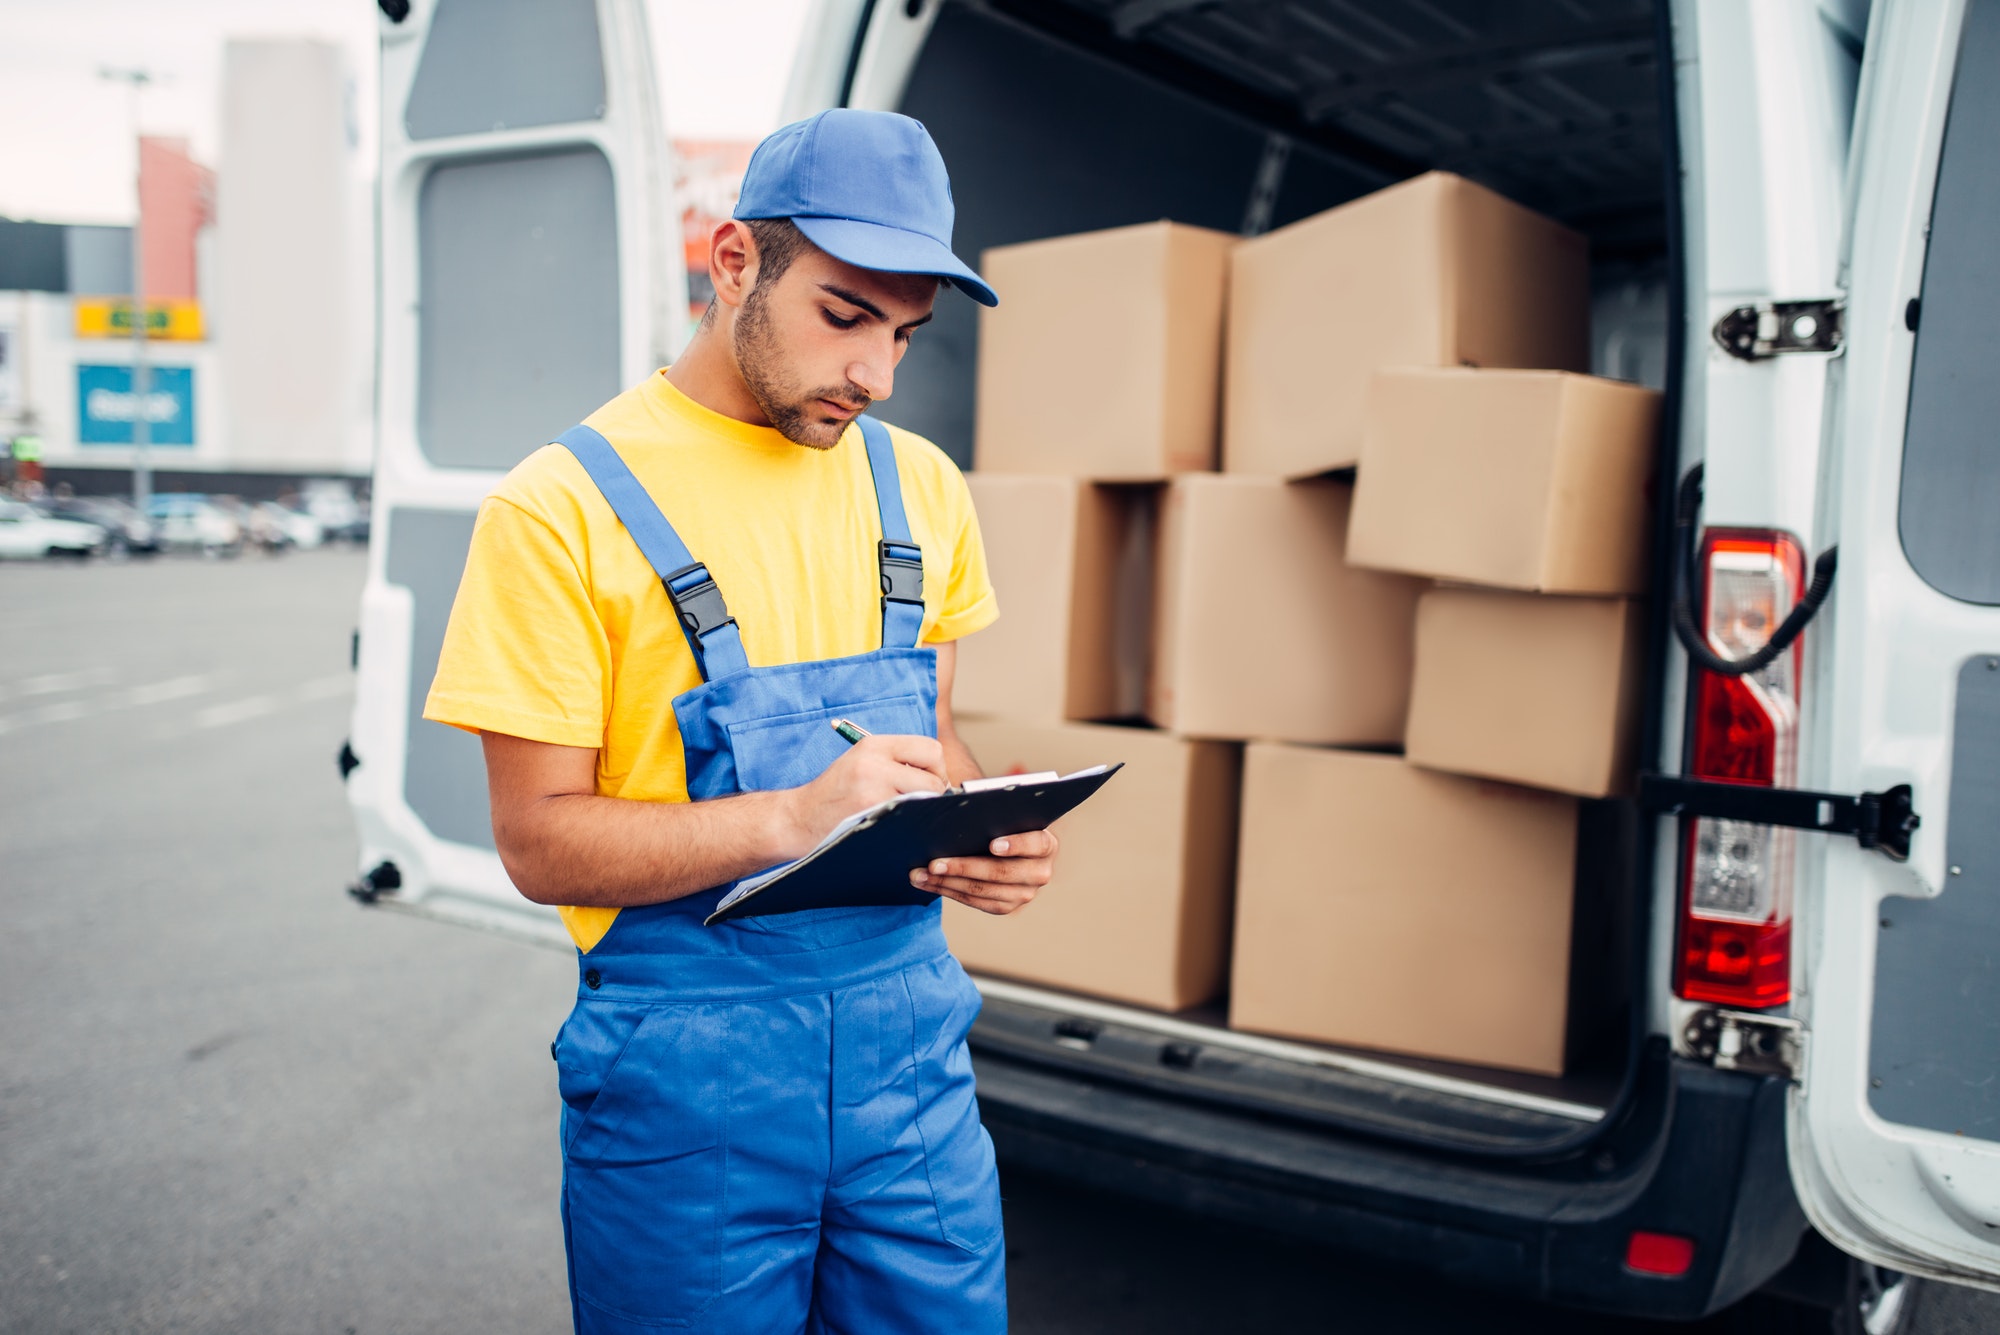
(1701, 1155)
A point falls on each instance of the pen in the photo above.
(853, 732)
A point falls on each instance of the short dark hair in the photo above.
(779, 242)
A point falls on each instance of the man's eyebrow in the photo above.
(856, 299)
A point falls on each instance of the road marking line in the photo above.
(60, 712)
(54, 683)
(65, 711)
(236, 711)
(325, 688)
(174, 688)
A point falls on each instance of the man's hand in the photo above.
(1020, 866)
(873, 770)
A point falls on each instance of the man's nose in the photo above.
(875, 374)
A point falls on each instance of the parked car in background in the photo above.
(342, 517)
(189, 521)
(297, 528)
(27, 532)
(125, 529)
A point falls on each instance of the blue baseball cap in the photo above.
(868, 188)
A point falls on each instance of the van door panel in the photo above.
(1894, 1145)
(1950, 514)
(1935, 1039)
(518, 313)
(529, 270)
(506, 65)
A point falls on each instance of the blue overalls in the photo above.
(769, 1125)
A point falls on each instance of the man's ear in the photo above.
(732, 261)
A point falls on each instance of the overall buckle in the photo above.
(697, 602)
(902, 572)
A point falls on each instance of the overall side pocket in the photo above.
(587, 1049)
(958, 1154)
(643, 1174)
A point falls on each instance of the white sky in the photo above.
(66, 144)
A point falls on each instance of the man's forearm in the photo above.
(612, 852)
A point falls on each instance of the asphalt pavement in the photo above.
(234, 1101)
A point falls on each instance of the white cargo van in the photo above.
(1794, 208)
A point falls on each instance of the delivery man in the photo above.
(768, 1125)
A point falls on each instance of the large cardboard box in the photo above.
(1104, 357)
(1139, 908)
(1435, 271)
(1521, 479)
(1384, 906)
(1072, 564)
(1532, 688)
(1262, 630)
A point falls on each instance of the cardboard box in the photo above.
(1532, 688)
(1384, 906)
(1104, 358)
(1531, 480)
(1435, 271)
(1072, 564)
(1139, 908)
(1262, 630)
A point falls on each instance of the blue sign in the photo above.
(105, 405)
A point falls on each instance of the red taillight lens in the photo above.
(1664, 1254)
(1735, 737)
(1739, 964)
(1736, 893)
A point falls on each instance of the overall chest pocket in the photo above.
(786, 750)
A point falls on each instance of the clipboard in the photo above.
(867, 859)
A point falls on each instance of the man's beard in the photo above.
(794, 413)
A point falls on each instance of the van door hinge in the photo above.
(1771, 327)
(1753, 1044)
(383, 878)
(1883, 821)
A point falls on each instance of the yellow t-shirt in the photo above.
(561, 632)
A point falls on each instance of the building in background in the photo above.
(66, 312)
(295, 283)
(259, 300)
(176, 200)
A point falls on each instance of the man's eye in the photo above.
(837, 322)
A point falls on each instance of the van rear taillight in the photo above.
(1735, 944)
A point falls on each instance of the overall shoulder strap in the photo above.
(711, 632)
(900, 559)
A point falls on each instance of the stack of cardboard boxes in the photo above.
(1408, 547)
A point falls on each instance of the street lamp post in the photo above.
(142, 379)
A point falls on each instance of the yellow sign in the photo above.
(173, 319)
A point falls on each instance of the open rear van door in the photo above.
(1895, 1130)
(529, 272)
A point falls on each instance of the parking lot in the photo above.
(235, 1101)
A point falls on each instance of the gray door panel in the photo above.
(1934, 1054)
(444, 772)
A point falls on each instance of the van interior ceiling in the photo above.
(1062, 116)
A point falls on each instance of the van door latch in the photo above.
(1882, 821)
(1754, 1044)
(1771, 327)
